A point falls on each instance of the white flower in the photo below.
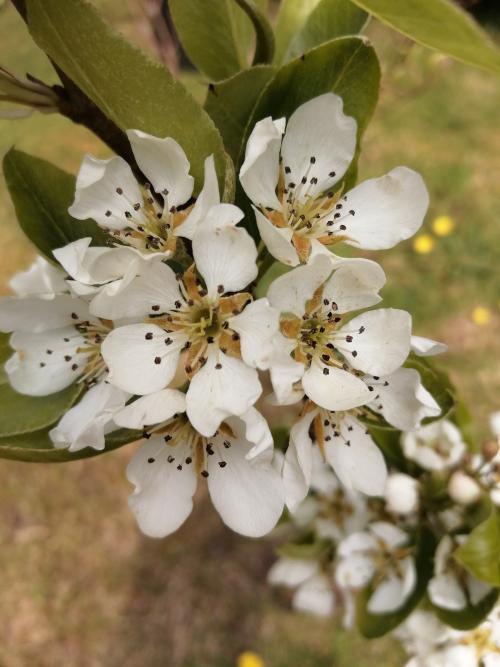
(379, 555)
(314, 594)
(437, 446)
(421, 635)
(88, 422)
(56, 341)
(148, 217)
(41, 279)
(452, 587)
(321, 351)
(291, 176)
(401, 493)
(200, 323)
(463, 488)
(236, 461)
(426, 347)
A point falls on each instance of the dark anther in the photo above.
(157, 360)
(149, 335)
(151, 460)
(326, 371)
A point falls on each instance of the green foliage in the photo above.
(329, 19)
(230, 103)
(292, 16)
(377, 625)
(389, 442)
(480, 553)
(36, 447)
(471, 616)
(132, 90)
(440, 25)
(264, 36)
(41, 194)
(216, 35)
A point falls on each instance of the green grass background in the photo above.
(80, 586)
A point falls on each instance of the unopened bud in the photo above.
(490, 449)
(28, 93)
(463, 489)
(401, 494)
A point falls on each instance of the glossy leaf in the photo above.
(329, 19)
(440, 25)
(130, 88)
(377, 625)
(36, 447)
(480, 553)
(41, 194)
(231, 102)
(470, 617)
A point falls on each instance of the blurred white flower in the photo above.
(314, 589)
(463, 489)
(401, 493)
(437, 446)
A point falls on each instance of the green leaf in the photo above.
(131, 89)
(307, 550)
(264, 36)
(329, 19)
(377, 625)
(292, 16)
(480, 553)
(440, 25)
(25, 414)
(41, 194)
(37, 447)
(230, 103)
(470, 617)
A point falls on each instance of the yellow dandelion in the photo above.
(423, 244)
(481, 316)
(249, 659)
(443, 225)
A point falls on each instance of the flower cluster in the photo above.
(163, 330)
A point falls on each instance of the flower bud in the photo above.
(401, 494)
(490, 449)
(463, 489)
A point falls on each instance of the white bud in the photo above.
(401, 493)
(463, 489)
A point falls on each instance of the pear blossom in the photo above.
(201, 326)
(236, 461)
(452, 587)
(422, 634)
(314, 588)
(151, 217)
(56, 341)
(437, 446)
(292, 176)
(401, 493)
(380, 555)
(463, 489)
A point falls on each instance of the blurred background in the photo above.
(80, 585)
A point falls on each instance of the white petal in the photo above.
(477, 589)
(445, 591)
(97, 193)
(426, 347)
(420, 446)
(285, 372)
(335, 390)
(216, 393)
(387, 210)
(208, 197)
(401, 493)
(278, 240)
(154, 290)
(41, 279)
(257, 432)
(33, 314)
(226, 258)
(290, 292)
(163, 495)
(46, 362)
(291, 571)
(257, 325)
(399, 399)
(356, 459)
(354, 285)
(260, 170)
(355, 571)
(87, 423)
(389, 595)
(248, 495)
(164, 163)
(393, 536)
(318, 129)
(138, 364)
(152, 409)
(315, 596)
(383, 344)
(297, 467)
